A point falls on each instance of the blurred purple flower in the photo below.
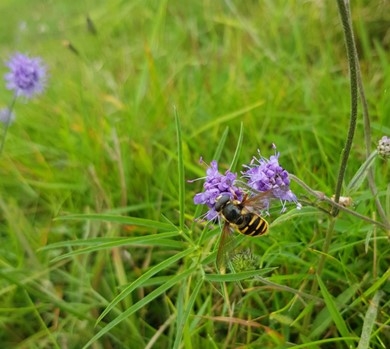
(6, 116)
(267, 175)
(26, 76)
(215, 185)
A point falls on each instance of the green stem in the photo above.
(335, 205)
(7, 123)
(180, 168)
(352, 55)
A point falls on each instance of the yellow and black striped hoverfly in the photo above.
(240, 215)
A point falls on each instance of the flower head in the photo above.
(244, 261)
(267, 175)
(384, 147)
(26, 76)
(215, 185)
(6, 116)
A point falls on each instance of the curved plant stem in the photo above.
(352, 58)
(356, 87)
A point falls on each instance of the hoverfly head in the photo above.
(221, 202)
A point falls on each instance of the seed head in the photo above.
(244, 261)
(384, 147)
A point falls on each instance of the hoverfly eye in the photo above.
(221, 201)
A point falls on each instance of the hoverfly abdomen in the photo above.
(253, 225)
(238, 216)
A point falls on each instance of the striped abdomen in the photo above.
(244, 221)
(252, 225)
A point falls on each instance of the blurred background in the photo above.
(102, 138)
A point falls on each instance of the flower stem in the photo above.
(352, 58)
(335, 205)
(7, 123)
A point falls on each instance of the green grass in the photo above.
(100, 246)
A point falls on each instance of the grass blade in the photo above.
(323, 320)
(142, 279)
(221, 145)
(143, 302)
(227, 117)
(238, 149)
(182, 317)
(361, 174)
(180, 168)
(112, 242)
(334, 312)
(142, 222)
(244, 275)
(153, 240)
(296, 213)
(369, 321)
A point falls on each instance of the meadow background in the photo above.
(99, 247)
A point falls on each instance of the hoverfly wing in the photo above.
(226, 243)
(259, 201)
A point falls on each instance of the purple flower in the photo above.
(26, 76)
(6, 116)
(267, 175)
(215, 185)
(384, 147)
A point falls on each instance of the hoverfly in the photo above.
(242, 216)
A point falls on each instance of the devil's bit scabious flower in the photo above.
(215, 185)
(384, 147)
(26, 76)
(267, 175)
(6, 116)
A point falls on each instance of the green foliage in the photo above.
(101, 247)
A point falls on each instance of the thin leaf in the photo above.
(180, 167)
(323, 342)
(369, 321)
(244, 275)
(322, 321)
(361, 173)
(182, 317)
(228, 117)
(198, 170)
(143, 302)
(372, 289)
(142, 222)
(236, 155)
(145, 276)
(221, 144)
(112, 242)
(334, 311)
(276, 286)
(295, 213)
(149, 242)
